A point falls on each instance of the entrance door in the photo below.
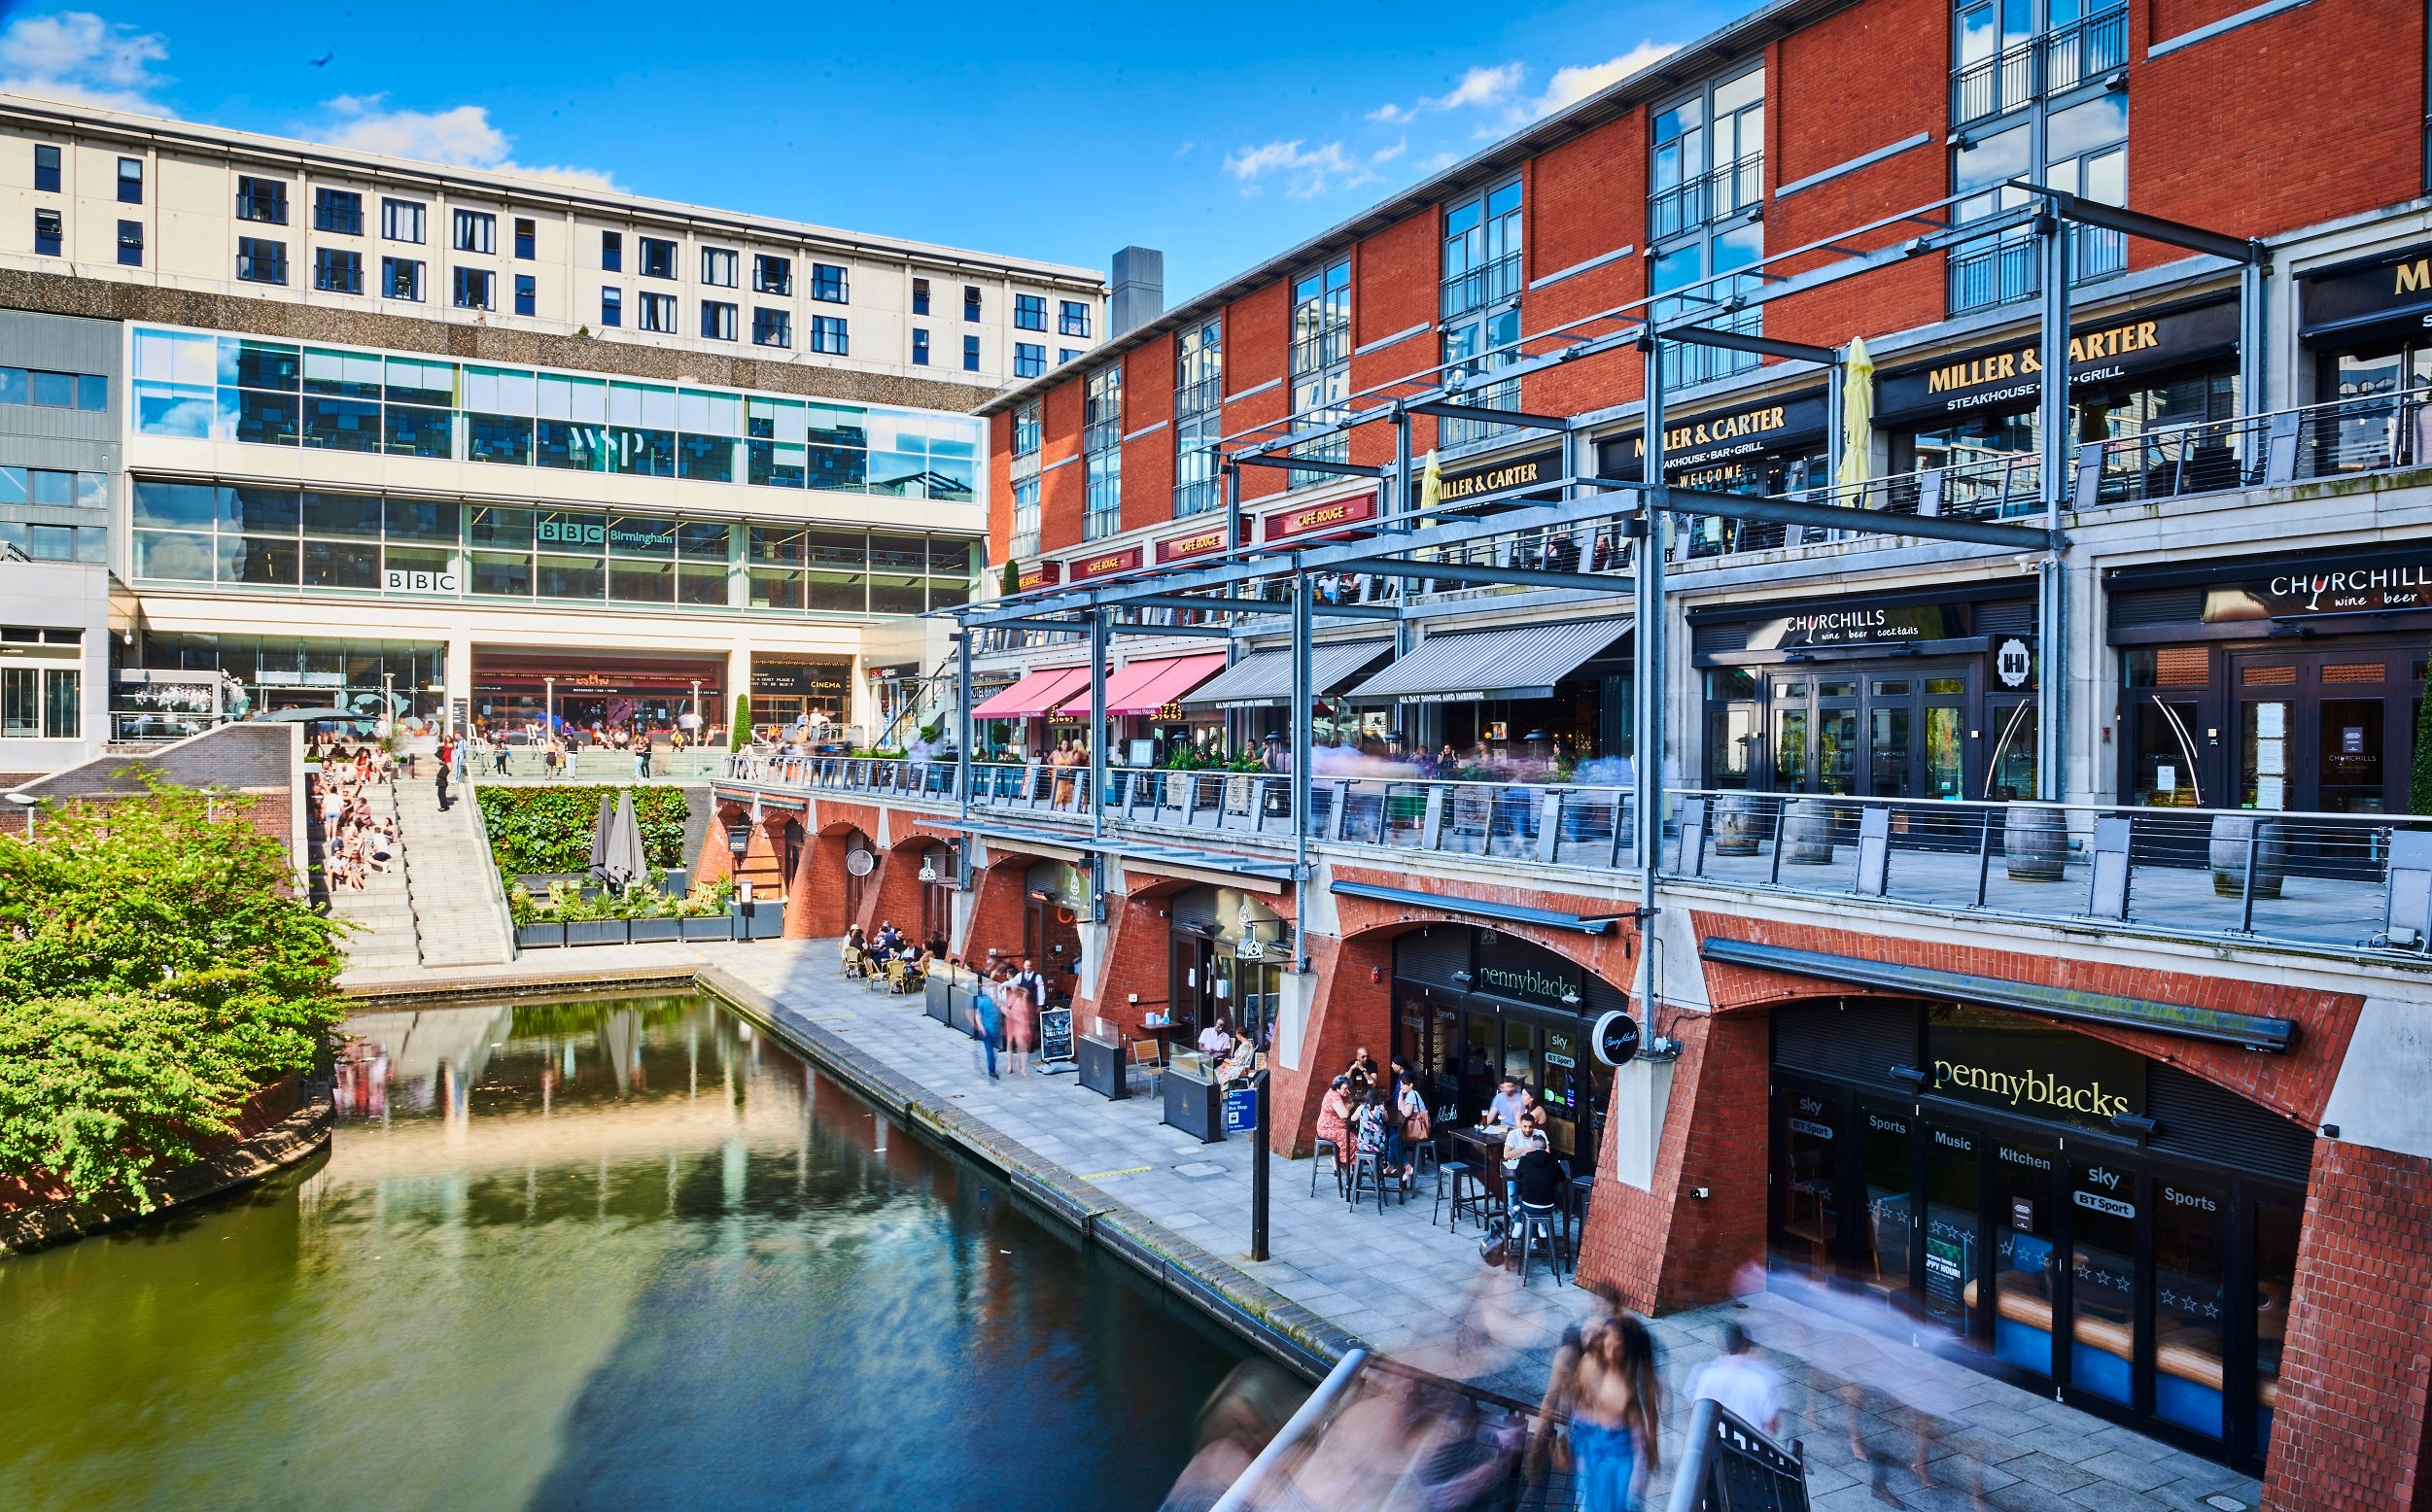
(1191, 987)
(1916, 745)
(1048, 938)
(2025, 1272)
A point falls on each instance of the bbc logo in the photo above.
(573, 532)
(421, 582)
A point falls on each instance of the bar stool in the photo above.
(1368, 1174)
(1334, 1163)
(1538, 1224)
(1580, 1190)
(1471, 1192)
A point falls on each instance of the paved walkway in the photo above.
(1869, 1407)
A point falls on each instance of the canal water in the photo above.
(610, 1252)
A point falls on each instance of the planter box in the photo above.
(532, 936)
(759, 920)
(590, 932)
(643, 929)
(714, 926)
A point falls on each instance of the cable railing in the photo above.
(2343, 439)
(2053, 63)
(1724, 191)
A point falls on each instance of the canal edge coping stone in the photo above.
(294, 1138)
(1283, 1328)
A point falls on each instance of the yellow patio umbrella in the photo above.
(1858, 414)
(1431, 485)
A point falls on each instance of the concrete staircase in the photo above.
(384, 940)
(459, 919)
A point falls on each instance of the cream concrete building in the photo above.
(329, 427)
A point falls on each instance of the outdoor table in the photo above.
(1483, 1149)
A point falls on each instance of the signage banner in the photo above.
(2387, 294)
(1038, 575)
(1198, 543)
(1510, 474)
(1084, 568)
(398, 581)
(2351, 587)
(1518, 971)
(2009, 376)
(1719, 436)
(1333, 515)
(2034, 1070)
(1857, 625)
(823, 681)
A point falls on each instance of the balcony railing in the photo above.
(2053, 63)
(1712, 196)
(2343, 438)
(2003, 268)
(1489, 283)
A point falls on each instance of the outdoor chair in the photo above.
(856, 966)
(1473, 1192)
(899, 978)
(1149, 1057)
(1333, 1164)
(1368, 1175)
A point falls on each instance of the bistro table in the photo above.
(1483, 1149)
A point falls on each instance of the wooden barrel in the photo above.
(1807, 833)
(2232, 835)
(1739, 824)
(2035, 842)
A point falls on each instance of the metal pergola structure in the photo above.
(1586, 500)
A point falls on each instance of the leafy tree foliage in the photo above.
(548, 829)
(155, 969)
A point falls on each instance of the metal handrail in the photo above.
(1720, 190)
(2058, 60)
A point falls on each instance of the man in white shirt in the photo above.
(1508, 1106)
(1741, 1382)
(1216, 1040)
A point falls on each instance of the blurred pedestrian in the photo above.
(1741, 1382)
(1619, 1402)
(1021, 1007)
(987, 1020)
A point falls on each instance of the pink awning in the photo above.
(1034, 694)
(1145, 687)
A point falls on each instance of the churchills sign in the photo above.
(2355, 589)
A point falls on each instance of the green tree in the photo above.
(156, 967)
(740, 735)
(1011, 582)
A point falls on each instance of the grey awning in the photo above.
(1263, 679)
(1524, 661)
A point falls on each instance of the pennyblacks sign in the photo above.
(2032, 1070)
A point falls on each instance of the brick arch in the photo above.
(2295, 1085)
(824, 899)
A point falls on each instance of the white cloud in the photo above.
(1481, 87)
(1306, 173)
(1572, 84)
(462, 137)
(1384, 155)
(76, 56)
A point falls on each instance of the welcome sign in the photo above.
(2032, 1070)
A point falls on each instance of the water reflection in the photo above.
(599, 1253)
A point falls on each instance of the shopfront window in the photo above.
(1886, 1155)
(2190, 1233)
(2103, 1278)
(2025, 1265)
(1953, 1180)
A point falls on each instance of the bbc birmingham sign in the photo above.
(400, 581)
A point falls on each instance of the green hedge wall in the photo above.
(548, 829)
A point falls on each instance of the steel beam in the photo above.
(1355, 611)
(1872, 521)
(2136, 222)
(1523, 577)
(1306, 463)
(1448, 410)
(1763, 346)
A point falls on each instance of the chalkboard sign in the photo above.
(1056, 1034)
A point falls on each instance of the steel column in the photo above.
(2052, 598)
(1097, 720)
(962, 717)
(1303, 696)
(1647, 740)
(2254, 381)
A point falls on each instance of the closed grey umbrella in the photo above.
(600, 838)
(626, 859)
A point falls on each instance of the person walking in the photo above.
(1617, 1403)
(642, 757)
(549, 758)
(1022, 1016)
(987, 1020)
(448, 754)
(500, 754)
(1742, 1384)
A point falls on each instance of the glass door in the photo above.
(1565, 1093)
(1954, 1213)
(1836, 736)
(1807, 1208)
(1791, 759)
(1890, 720)
(2267, 731)
(2026, 1270)
(2103, 1279)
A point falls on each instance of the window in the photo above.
(1026, 431)
(970, 301)
(261, 199)
(920, 349)
(658, 313)
(401, 278)
(717, 321)
(1198, 415)
(527, 237)
(2085, 152)
(476, 230)
(475, 289)
(1994, 71)
(772, 327)
(717, 266)
(403, 219)
(1072, 318)
(130, 180)
(527, 294)
(41, 702)
(1065, 354)
(827, 335)
(1030, 359)
(337, 211)
(611, 308)
(1102, 448)
(772, 275)
(337, 270)
(658, 258)
(1029, 312)
(970, 354)
(259, 261)
(612, 252)
(1025, 518)
(53, 390)
(46, 232)
(1321, 362)
(827, 283)
(1481, 303)
(919, 297)
(46, 170)
(131, 244)
(1707, 169)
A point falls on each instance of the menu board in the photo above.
(1054, 1034)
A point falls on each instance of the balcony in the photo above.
(2343, 882)
(1491, 282)
(2004, 269)
(1715, 196)
(2058, 61)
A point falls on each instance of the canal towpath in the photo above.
(1398, 1282)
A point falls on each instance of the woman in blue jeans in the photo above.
(986, 1021)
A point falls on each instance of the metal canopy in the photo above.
(2247, 1031)
(1524, 662)
(1479, 908)
(1263, 679)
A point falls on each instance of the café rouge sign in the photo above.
(2092, 347)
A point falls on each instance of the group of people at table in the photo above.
(1384, 1116)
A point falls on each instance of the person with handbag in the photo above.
(1411, 1124)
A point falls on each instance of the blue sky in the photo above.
(1059, 131)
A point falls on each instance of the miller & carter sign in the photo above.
(2010, 376)
(1509, 475)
